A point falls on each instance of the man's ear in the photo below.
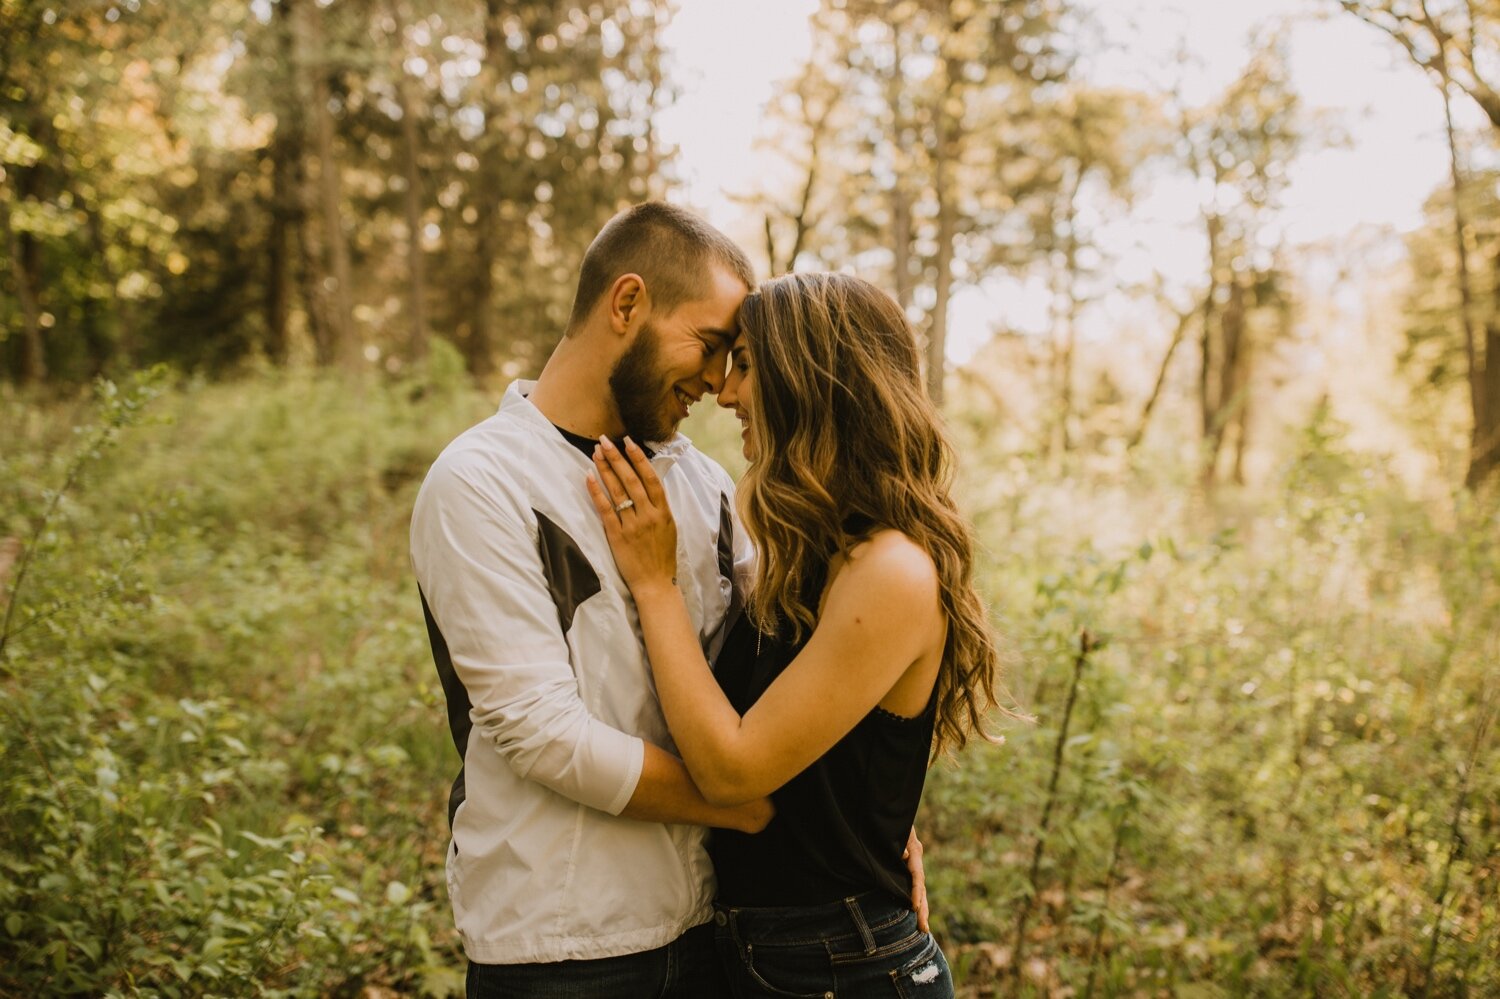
(629, 303)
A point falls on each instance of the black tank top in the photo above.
(841, 825)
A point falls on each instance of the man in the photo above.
(577, 865)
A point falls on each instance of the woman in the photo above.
(865, 651)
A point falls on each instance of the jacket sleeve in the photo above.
(481, 572)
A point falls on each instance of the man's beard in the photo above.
(635, 383)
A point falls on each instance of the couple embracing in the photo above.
(694, 719)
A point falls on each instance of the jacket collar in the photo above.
(516, 404)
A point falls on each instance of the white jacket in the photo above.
(550, 695)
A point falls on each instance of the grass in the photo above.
(226, 761)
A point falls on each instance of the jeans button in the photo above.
(720, 919)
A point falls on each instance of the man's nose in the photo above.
(713, 374)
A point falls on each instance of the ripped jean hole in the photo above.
(926, 975)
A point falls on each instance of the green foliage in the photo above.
(221, 772)
(226, 763)
(1278, 777)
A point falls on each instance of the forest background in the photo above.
(1236, 491)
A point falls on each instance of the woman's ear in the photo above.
(629, 303)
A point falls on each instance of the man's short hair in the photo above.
(671, 249)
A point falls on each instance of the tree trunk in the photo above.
(1483, 372)
(801, 222)
(945, 161)
(801, 215)
(901, 243)
(901, 220)
(278, 301)
(1460, 244)
(1226, 376)
(293, 254)
(480, 346)
(338, 345)
(1070, 311)
(656, 185)
(1208, 397)
(1178, 335)
(1240, 402)
(25, 270)
(937, 329)
(106, 336)
(1484, 459)
(286, 187)
(411, 143)
(1205, 395)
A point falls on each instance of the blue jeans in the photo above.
(686, 968)
(862, 946)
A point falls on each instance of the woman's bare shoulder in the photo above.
(891, 567)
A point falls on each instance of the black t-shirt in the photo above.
(587, 444)
(841, 825)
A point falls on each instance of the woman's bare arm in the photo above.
(880, 615)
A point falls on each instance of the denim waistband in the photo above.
(857, 918)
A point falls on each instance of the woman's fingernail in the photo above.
(628, 442)
(607, 443)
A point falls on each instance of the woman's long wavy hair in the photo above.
(849, 443)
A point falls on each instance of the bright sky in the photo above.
(728, 56)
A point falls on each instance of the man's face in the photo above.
(675, 359)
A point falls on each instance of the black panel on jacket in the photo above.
(570, 578)
(457, 697)
(726, 539)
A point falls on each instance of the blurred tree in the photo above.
(1441, 265)
(338, 342)
(206, 180)
(1455, 43)
(1090, 153)
(285, 246)
(20, 156)
(936, 105)
(810, 108)
(494, 74)
(1237, 147)
(412, 194)
(564, 106)
(75, 226)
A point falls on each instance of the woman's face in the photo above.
(737, 391)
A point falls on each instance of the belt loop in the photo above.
(731, 919)
(852, 904)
